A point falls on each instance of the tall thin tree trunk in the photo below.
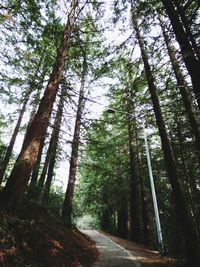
(53, 144)
(182, 85)
(135, 231)
(187, 28)
(67, 204)
(34, 174)
(8, 154)
(185, 219)
(9, 150)
(105, 220)
(42, 177)
(16, 185)
(122, 222)
(191, 62)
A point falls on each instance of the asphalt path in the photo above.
(111, 254)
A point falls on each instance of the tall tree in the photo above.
(187, 20)
(53, 147)
(185, 218)
(32, 87)
(188, 54)
(67, 204)
(19, 177)
(9, 150)
(183, 87)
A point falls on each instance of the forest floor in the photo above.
(32, 237)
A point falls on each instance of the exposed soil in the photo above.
(144, 255)
(32, 237)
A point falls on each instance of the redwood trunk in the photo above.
(41, 181)
(67, 204)
(191, 62)
(135, 231)
(18, 124)
(34, 176)
(182, 85)
(105, 220)
(53, 149)
(122, 223)
(187, 28)
(19, 177)
(9, 150)
(35, 172)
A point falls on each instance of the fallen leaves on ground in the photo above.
(144, 255)
(34, 237)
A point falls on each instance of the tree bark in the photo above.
(34, 176)
(8, 154)
(16, 185)
(135, 231)
(53, 148)
(186, 222)
(35, 172)
(183, 87)
(185, 22)
(105, 220)
(122, 222)
(67, 204)
(9, 150)
(189, 58)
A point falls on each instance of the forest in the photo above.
(99, 116)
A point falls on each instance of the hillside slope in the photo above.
(33, 237)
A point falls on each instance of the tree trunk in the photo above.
(34, 175)
(53, 148)
(67, 204)
(9, 150)
(18, 124)
(135, 231)
(185, 219)
(147, 228)
(187, 28)
(105, 220)
(41, 181)
(147, 222)
(122, 223)
(15, 188)
(182, 85)
(191, 62)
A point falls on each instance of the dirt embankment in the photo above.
(32, 237)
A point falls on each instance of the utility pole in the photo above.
(155, 204)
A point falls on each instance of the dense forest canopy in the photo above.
(81, 84)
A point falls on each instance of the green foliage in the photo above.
(103, 169)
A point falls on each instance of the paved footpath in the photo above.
(111, 254)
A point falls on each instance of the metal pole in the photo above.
(155, 205)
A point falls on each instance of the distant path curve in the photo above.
(111, 254)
